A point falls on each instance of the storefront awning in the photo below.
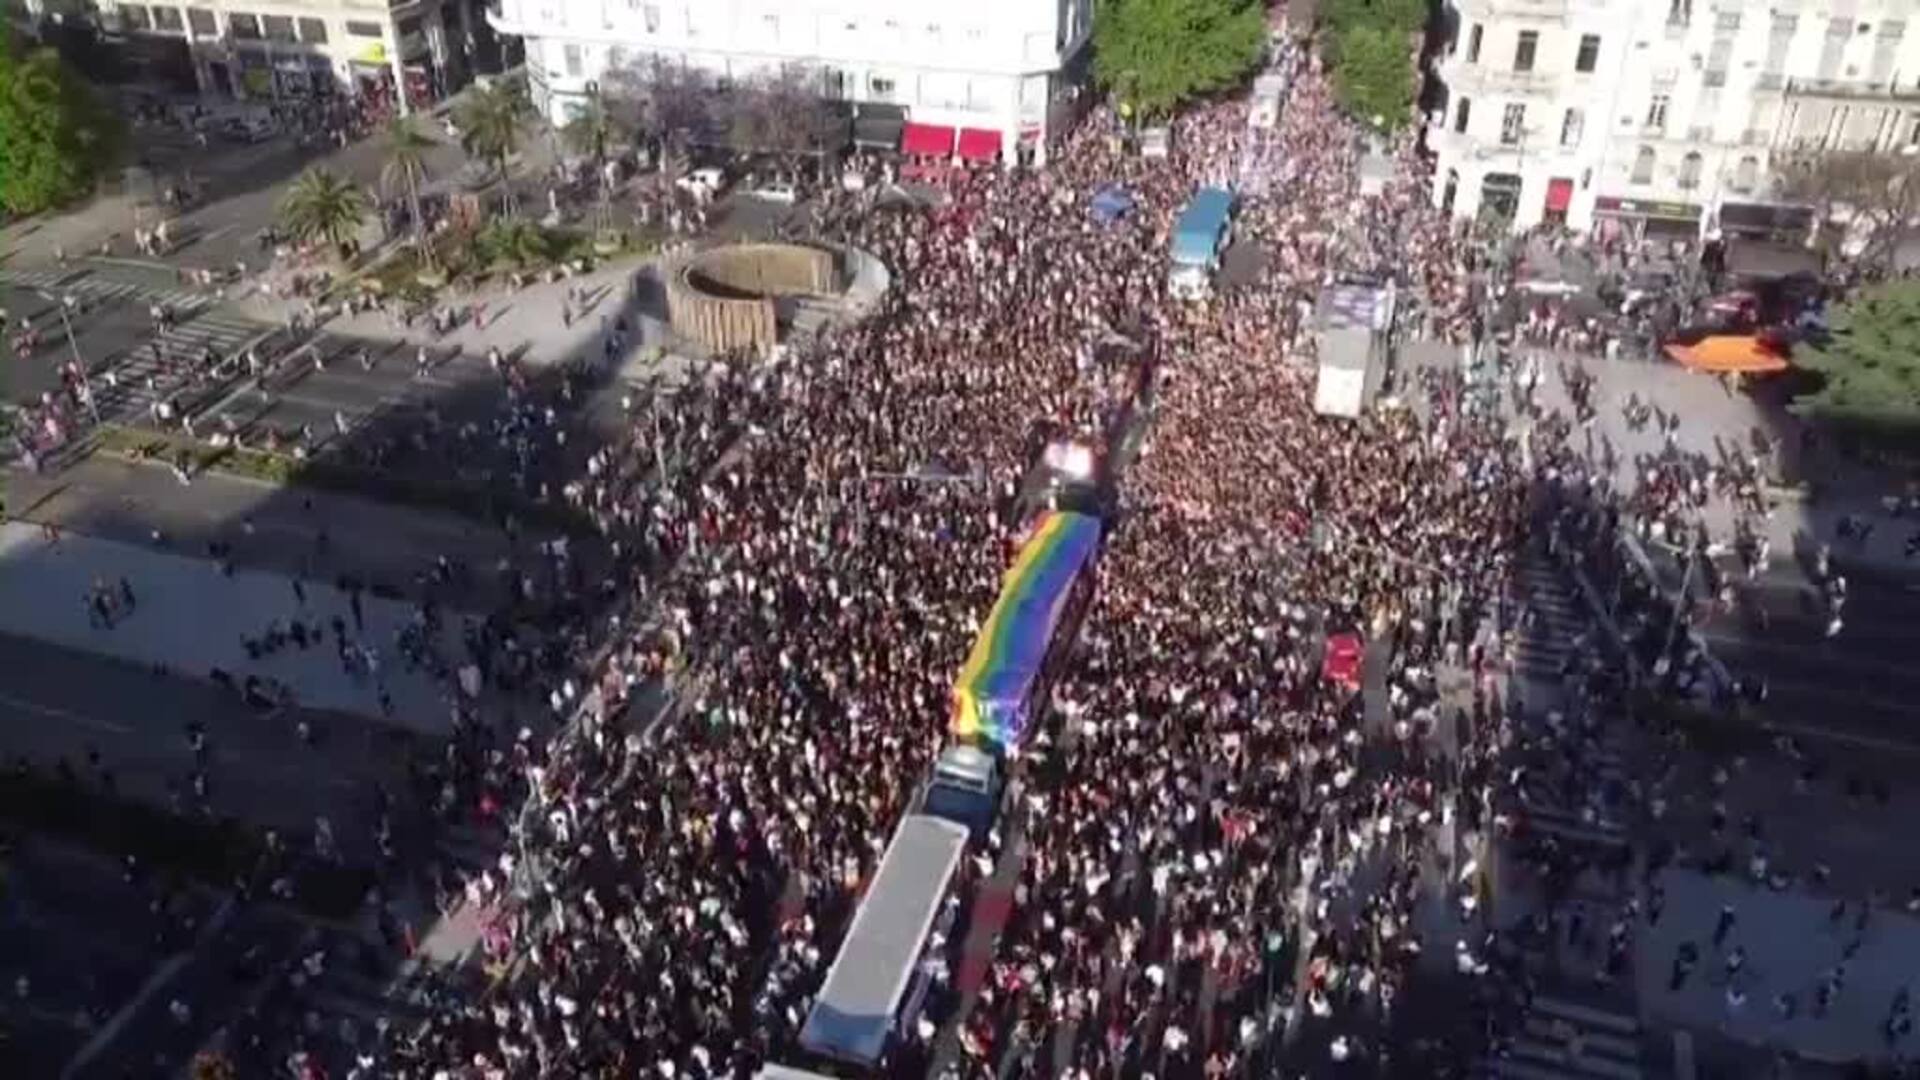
(1647, 208)
(977, 144)
(927, 140)
(1724, 354)
(1765, 219)
(877, 132)
(1559, 195)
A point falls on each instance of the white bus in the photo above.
(878, 983)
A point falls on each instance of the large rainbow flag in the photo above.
(990, 696)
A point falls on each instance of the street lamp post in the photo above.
(79, 362)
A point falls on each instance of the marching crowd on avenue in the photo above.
(801, 551)
(813, 600)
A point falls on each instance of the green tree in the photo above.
(323, 207)
(1372, 76)
(1402, 16)
(1155, 54)
(592, 132)
(56, 136)
(406, 169)
(491, 123)
(1870, 365)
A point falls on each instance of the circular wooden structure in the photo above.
(734, 297)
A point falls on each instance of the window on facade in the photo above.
(167, 18)
(1690, 170)
(202, 22)
(1589, 55)
(1525, 49)
(576, 63)
(277, 28)
(880, 87)
(1642, 166)
(1474, 37)
(650, 17)
(1513, 124)
(833, 83)
(313, 31)
(1571, 125)
(1657, 112)
(1726, 22)
(1913, 130)
(1746, 176)
(1679, 12)
(244, 27)
(134, 17)
(1462, 114)
(364, 29)
(770, 26)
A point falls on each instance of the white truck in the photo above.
(1354, 335)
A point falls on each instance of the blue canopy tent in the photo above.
(1110, 204)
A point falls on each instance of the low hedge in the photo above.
(403, 489)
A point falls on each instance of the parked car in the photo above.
(776, 191)
(246, 129)
(705, 183)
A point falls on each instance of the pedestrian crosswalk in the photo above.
(160, 369)
(1561, 1039)
(94, 291)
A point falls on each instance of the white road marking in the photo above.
(54, 713)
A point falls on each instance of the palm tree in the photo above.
(592, 132)
(490, 129)
(322, 206)
(406, 168)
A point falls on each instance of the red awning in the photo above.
(979, 145)
(927, 140)
(1559, 195)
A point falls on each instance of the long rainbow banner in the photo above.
(990, 696)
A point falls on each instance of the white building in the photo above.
(980, 79)
(274, 49)
(1662, 117)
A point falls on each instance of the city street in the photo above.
(62, 704)
(188, 616)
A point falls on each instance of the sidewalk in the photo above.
(1791, 946)
(378, 543)
(530, 318)
(191, 618)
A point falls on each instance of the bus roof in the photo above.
(1198, 228)
(852, 1016)
(990, 694)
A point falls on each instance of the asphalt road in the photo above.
(61, 703)
(1860, 686)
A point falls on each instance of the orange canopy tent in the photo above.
(1723, 354)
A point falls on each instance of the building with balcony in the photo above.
(275, 50)
(1661, 117)
(982, 80)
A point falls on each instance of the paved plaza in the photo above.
(190, 617)
(1791, 945)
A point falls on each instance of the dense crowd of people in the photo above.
(1223, 843)
(815, 587)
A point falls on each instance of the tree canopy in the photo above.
(1155, 54)
(1372, 77)
(1877, 193)
(1870, 365)
(1402, 16)
(323, 207)
(56, 136)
